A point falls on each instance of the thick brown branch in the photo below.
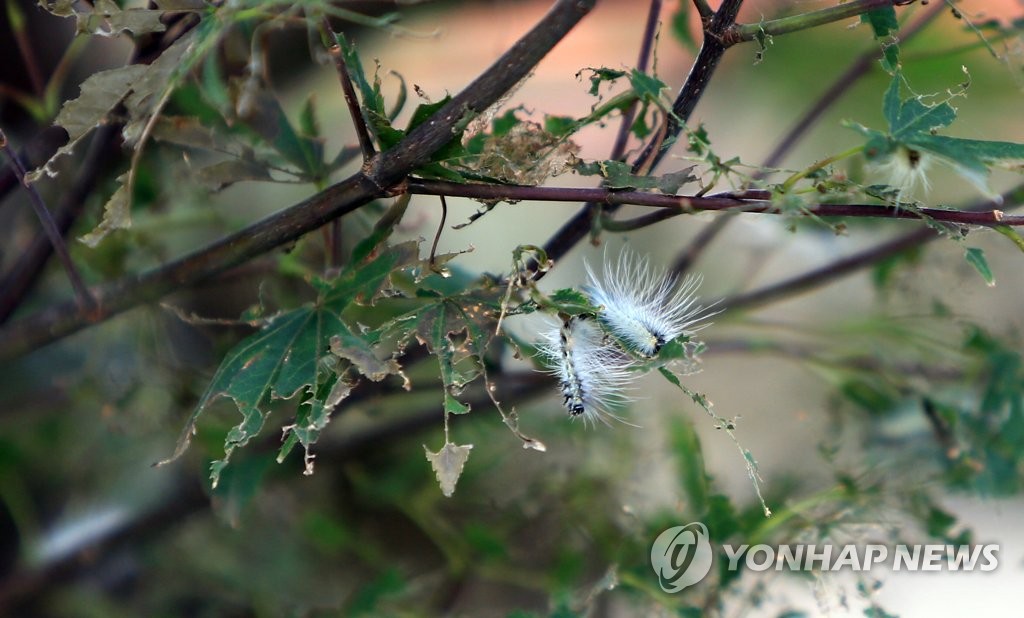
(379, 176)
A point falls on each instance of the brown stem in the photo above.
(85, 300)
(18, 281)
(848, 265)
(674, 205)
(362, 132)
(642, 61)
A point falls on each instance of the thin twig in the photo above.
(32, 155)
(703, 9)
(681, 204)
(334, 49)
(101, 157)
(642, 62)
(688, 257)
(19, 26)
(804, 21)
(850, 264)
(85, 300)
(381, 176)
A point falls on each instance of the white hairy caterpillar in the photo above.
(643, 306)
(593, 373)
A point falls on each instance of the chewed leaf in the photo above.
(885, 26)
(619, 175)
(292, 356)
(99, 94)
(912, 136)
(106, 18)
(448, 464)
(116, 215)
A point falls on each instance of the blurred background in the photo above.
(827, 386)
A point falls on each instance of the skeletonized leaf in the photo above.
(149, 89)
(116, 215)
(619, 175)
(108, 19)
(448, 464)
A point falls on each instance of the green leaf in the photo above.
(681, 28)
(571, 302)
(599, 75)
(261, 111)
(976, 258)
(292, 355)
(915, 117)
(913, 126)
(560, 126)
(686, 447)
(647, 87)
(108, 19)
(100, 93)
(885, 26)
(891, 102)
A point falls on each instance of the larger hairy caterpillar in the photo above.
(592, 372)
(643, 306)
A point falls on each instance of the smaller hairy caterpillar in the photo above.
(593, 373)
(644, 307)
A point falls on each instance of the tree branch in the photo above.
(82, 296)
(377, 179)
(749, 32)
(647, 42)
(680, 204)
(704, 66)
(18, 281)
(848, 265)
(334, 49)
